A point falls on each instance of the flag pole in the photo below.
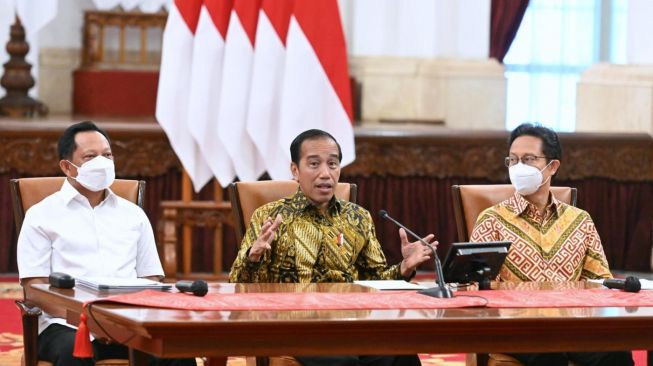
(218, 196)
(187, 231)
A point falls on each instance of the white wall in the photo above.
(639, 48)
(417, 28)
(413, 28)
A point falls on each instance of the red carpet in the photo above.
(11, 340)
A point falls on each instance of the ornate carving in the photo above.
(17, 79)
(194, 213)
(447, 154)
(428, 160)
(143, 158)
(142, 150)
(95, 50)
(35, 156)
(621, 163)
(34, 153)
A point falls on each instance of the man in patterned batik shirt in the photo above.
(551, 240)
(313, 237)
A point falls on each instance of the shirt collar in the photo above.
(302, 202)
(69, 193)
(519, 204)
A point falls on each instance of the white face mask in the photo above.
(96, 174)
(525, 178)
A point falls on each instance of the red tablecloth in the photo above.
(385, 300)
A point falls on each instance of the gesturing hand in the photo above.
(264, 240)
(414, 253)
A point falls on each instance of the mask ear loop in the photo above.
(76, 167)
(547, 179)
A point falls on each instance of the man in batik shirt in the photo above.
(314, 237)
(551, 240)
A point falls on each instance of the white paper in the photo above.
(109, 283)
(391, 285)
(646, 284)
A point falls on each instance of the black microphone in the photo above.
(61, 280)
(630, 284)
(197, 288)
(442, 290)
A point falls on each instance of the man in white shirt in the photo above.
(85, 230)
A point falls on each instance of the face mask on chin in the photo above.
(96, 174)
(526, 179)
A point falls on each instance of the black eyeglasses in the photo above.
(527, 159)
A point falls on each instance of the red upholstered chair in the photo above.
(245, 198)
(26, 192)
(468, 202)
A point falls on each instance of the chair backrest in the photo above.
(246, 197)
(470, 200)
(26, 192)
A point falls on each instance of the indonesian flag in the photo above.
(265, 95)
(206, 79)
(174, 88)
(316, 91)
(236, 78)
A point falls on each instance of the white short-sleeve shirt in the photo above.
(63, 233)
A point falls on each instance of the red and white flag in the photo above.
(265, 92)
(174, 88)
(316, 90)
(236, 78)
(206, 81)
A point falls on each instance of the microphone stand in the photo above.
(441, 291)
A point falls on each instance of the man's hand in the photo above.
(264, 240)
(414, 253)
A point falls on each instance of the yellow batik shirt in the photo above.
(340, 246)
(561, 245)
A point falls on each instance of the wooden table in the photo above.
(180, 333)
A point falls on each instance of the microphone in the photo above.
(61, 280)
(630, 284)
(441, 290)
(197, 288)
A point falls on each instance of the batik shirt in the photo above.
(560, 245)
(339, 246)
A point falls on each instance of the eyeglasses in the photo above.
(527, 159)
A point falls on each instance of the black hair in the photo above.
(313, 134)
(550, 142)
(67, 146)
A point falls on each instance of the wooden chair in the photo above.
(26, 192)
(245, 198)
(468, 202)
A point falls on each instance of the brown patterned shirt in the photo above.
(561, 245)
(340, 246)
